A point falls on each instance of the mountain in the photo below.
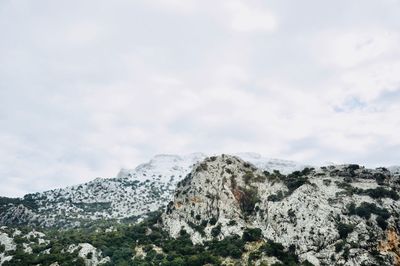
(130, 196)
(346, 214)
(223, 210)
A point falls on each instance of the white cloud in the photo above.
(86, 91)
(351, 47)
(247, 18)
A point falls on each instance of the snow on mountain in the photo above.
(130, 195)
(268, 164)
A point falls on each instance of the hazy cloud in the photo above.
(89, 87)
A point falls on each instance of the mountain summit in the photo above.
(216, 210)
(132, 195)
(344, 214)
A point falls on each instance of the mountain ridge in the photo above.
(224, 211)
(314, 210)
(130, 195)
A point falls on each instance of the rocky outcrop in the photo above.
(335, 215)
(130, 196)
(17, 215)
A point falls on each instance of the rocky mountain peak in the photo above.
(335, 213)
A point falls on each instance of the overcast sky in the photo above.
(88, 87)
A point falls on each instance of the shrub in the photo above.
(353, 167)
(375, 193)
(276, 197)
(382, 223)
(216, 230)
(327, 182)
(252, 234)
(212, 221)
(260, 178)
(346, 253)
(232, 246)
(232, 223)
(339, 246)
(247, 177)
(381, 192)
(273, 249)
(344, 230)
(248, 200)
(254, 256)
(202, 167)
(366, 209)
(295, 180)
(199, 228)
(379, 178)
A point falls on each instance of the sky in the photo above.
(89, 87)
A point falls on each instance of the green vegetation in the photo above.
(160, 249)
(27, 201)
(276, 197)
(375, 193)
(292, 181)
(366, 209)
(248, 200)
(344, 229)
(216, 230)
(381, 192)
(232, 223)
(339, 246)
(252, 234)
(202, 167)
(379, 178)
(93, 207)
(247, 177)
(277, 250)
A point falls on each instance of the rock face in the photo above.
(131, 195)
(335, 215)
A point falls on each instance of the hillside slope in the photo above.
(342, 215)
(130, 195)
(227, 211)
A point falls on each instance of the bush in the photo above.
(366, 209)
(276, 197)
(254, 256)
(273, 249)
(232, 223)
(202, 167)
(382, 223)
(375, 193)
(379, 178)
(381, 192)
(339, 246)
(248, 200)
(216, 230)
(247, 177)
(346, 253)
(296, 179)
(212, 221)
(344, 230)
(232, 246)
(252, 234)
